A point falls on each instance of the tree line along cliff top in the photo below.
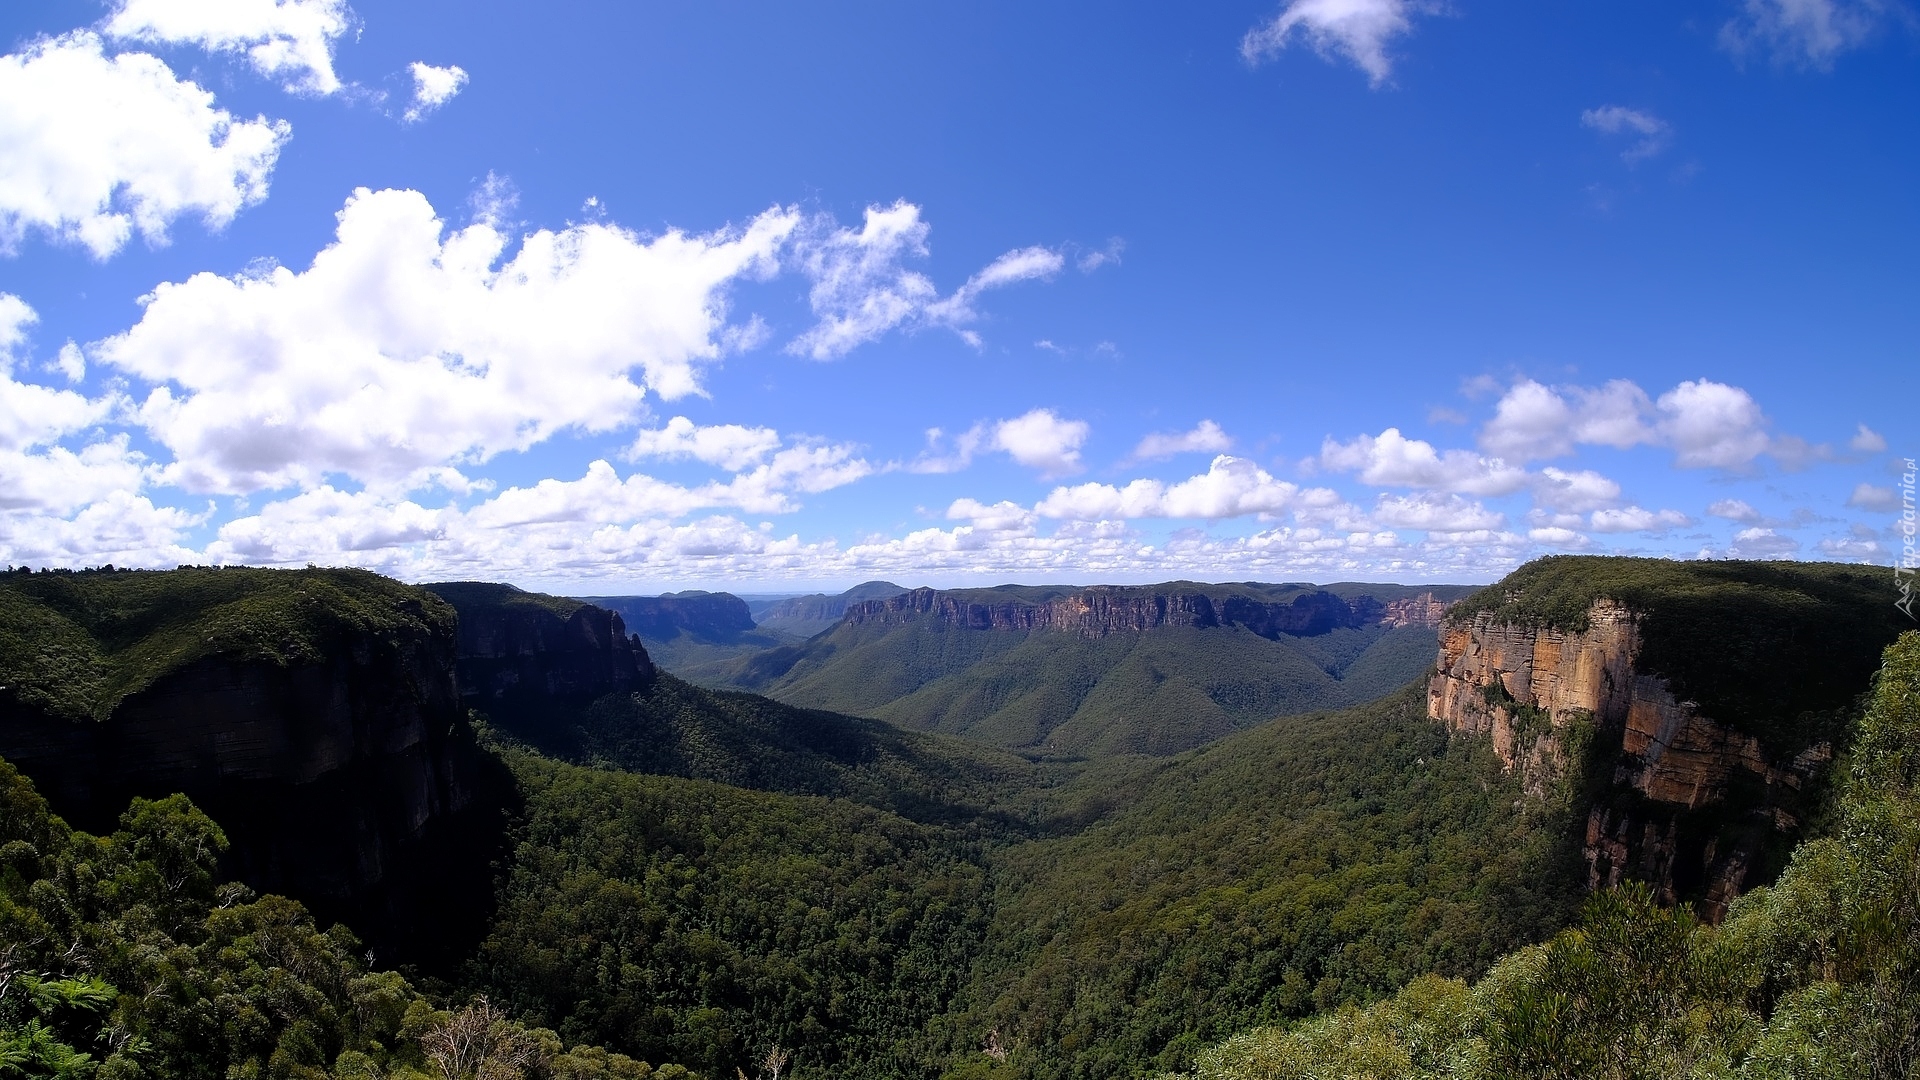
(1778, 650)
(75, 644)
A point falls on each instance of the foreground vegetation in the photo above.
(123, 957)
(1815, 978)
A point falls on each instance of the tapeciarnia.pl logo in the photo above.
(1909, 557)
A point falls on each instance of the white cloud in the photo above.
(1356, 29)
(1576, 492)
(403, 348)
(1001, 517)
(1040, 439)
(862, 290)
(730, 446)
(1090, 261)
(1762, 543)
(15, 316)
(432, 88)
(122, 528)
(1712, 425)
(1555, 537)
(1449, 514)
(1856, 549)
(290, 40)
(1651, 134)
(1025, 264)
(1869, 497)
(1206, 437)
(1868, 441)
(93, 148)
(1804, 33)
(1393, 460)
(1635, 519)
(1534, 421)
(1231, 487)
(1734, 510)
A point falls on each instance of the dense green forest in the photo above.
(124, 957)
(1814, 978)
(1154, 692)
(751, 889)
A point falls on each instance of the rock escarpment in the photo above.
(313, 714)
(534, 663)
(711, 615)
(1103, 610)
(1684, 713)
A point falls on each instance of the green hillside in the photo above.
(75, 644)
(673, 728)
(1308, 863)
(677, 919)
(1815, 978)
(1157, 691)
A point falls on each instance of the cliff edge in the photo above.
(1688, 709)
(312, 713)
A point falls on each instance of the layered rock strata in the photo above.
(1689, 800)
(1097, 612)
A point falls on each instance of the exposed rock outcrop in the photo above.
(347, 780)
(710, 615)
(1707, 795)
(1103, 610)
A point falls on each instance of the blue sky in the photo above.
(627, 297)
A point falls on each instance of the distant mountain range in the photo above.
(1153, 669)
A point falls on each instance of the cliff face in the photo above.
(717, 616)
(525, 652)
(1100, 611)
(535, 663)
(1688, 801)
(347, 780)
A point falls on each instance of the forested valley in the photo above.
(629, 875)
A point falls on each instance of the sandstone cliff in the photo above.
(1103, 610)
(1557, 702)
(708, 615)
(534, 663)
(340, 765)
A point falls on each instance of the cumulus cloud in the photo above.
(862, 288)
(1870, 497)
(730, 446)
(1206, 437)
(1359, 30)
(1575, 492)
(432, 88)
(35, 473)
(1042, 440)
(403, 347)
(1706, 424)
(122, 528)
(1039, 439)
(1734, 510)
(291, 40)
(1557, 537)
(1390, 459)
(1649, 133)
(93, 148)
(1231, 487)
(1712, 425)
(1762, 543)
(1535, 421)
(1804, 33)
(1449, 514)
(1635, 519)
(1867, 441)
